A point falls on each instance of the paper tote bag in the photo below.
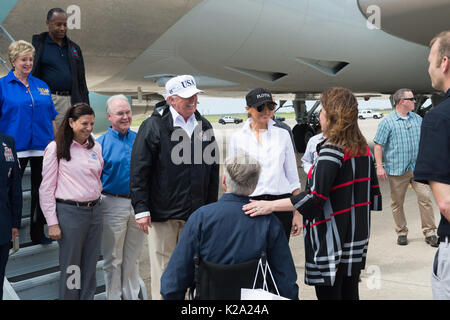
(261, 293)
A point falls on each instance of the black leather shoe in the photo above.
(432, 241)
(402, 240)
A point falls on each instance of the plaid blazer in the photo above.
(341, 191)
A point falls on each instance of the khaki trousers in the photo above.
(122, 246)
(162, 240)
(62, 104)
(399, 186)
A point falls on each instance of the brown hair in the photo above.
(64, 135)
(341, 109)
(444, 45)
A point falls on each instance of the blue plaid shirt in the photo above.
(400, 140)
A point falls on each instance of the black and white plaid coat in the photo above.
(340, 194)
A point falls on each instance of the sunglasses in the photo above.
(410, 99)
(79, 104)
(269, 106)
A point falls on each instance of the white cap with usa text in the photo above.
(183, 86)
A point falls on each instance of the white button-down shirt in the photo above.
(311, 155)
(275, 154)
(178, 121)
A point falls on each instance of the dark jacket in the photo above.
(221, 233)
(79, 90)
(166, 179)
(10, 189)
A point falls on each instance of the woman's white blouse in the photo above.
(275, 154)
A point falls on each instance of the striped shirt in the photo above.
(400, 140)
(336, 207)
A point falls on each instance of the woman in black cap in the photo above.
(336, 205)
(272, 147)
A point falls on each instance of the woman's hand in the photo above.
(297, 223)
(54, 232)
(258, 208)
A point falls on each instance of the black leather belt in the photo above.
(126, 196)
(79, 204)
(270, 197)
(444, 239)
(62, 93)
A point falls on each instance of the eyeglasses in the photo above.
(410, 99)
(260, 108)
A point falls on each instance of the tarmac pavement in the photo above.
(392, 272)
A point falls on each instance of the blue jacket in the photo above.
(221, 233)
(10, 189)
(26, 116)
(116, 151)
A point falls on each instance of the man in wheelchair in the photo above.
(221, 235)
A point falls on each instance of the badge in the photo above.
(9, 157)
(75, 52)
(94, 156)
(203, 136)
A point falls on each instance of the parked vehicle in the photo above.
(364, 114)
(229, 119)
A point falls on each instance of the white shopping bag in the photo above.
(258, 293)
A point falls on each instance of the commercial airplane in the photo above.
(298, 47)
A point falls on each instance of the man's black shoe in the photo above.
(402, 241)
(432, 241)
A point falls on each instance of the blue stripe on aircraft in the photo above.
(5, 7)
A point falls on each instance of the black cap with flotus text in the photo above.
(258, 96)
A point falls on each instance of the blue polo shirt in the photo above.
(55, 66)
(400, 140)
(116, 152)
(26, 115)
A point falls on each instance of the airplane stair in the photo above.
(32, 273)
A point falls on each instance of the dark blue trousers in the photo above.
(4, 254)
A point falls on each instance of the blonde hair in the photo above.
(19, 48)
(444, 45)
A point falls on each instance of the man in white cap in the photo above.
(174, 170)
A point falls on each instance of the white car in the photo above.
(364, 114)
(229, 119)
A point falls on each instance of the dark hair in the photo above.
(52, 11)
(341, 109)
(64, 135)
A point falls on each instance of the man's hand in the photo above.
(144, 223)
(54, 232)
(15, 233)
(381, 173)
